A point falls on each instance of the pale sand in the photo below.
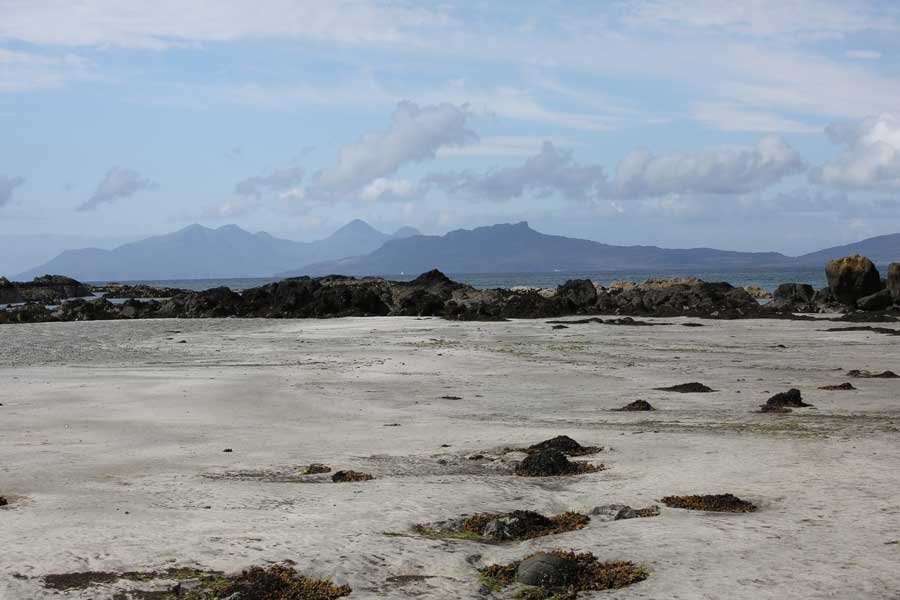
(101, 418)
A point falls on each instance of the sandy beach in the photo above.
(112, 437)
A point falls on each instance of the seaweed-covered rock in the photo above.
(839, 387)
(546, 462)
(516, 525)
(546, 570)
(346, 476)
(791, 399)
(637, 405)
(852, 277)
(564, 444)
(100, 309)
(710, 502)
(693, 387)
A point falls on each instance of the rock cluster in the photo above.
(430, 294)
(49, 289)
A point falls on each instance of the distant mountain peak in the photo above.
(356, 227)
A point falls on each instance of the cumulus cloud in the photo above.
(7, 186)
(118, 183)
(279, 181)
(415, 134)
(551, 171)
(384, 189)
(870, 158)
(730, 170)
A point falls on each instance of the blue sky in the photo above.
(752, 126)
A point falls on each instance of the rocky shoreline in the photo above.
(855, 288)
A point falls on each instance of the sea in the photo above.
(767, 279)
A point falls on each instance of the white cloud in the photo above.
(158, 24)
(870, 158)
(7, 187)
(552, 171)
(727, 116)
(765, 18)
(503, 145)
(279, 180)
(415, 134)
(389, 189)
(863, 54)
(117, 184)
(229, 209)
(729, 170)
(26, 71)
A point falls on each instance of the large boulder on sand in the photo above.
(852, 277)
(893, 281)
(577, 294)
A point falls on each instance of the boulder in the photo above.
(852, 277)
(577, 294)
(100, 309)
(546, 570)
(893, 281)
(877, 301)
(794, 296)
(825, 300)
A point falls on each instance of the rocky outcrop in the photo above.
(9, 292)
(758, 292)
(796, 297)
(118, 290)
(851, 278)
(52, 289)
(435, 294)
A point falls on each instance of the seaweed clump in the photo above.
(872, 375)
(275, 582)
(568, 574)
(345, 476)
(281, 582)
(550, 462)
(693, 387)
(315, 469)
(564, 444)
(838, 387)
(710, 502)
(502, 527)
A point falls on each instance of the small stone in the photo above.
(227, 450)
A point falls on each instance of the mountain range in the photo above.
(197, 252)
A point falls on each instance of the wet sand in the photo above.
(112, 437)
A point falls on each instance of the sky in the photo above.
(753, 125)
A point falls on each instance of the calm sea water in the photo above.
(768, 279)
